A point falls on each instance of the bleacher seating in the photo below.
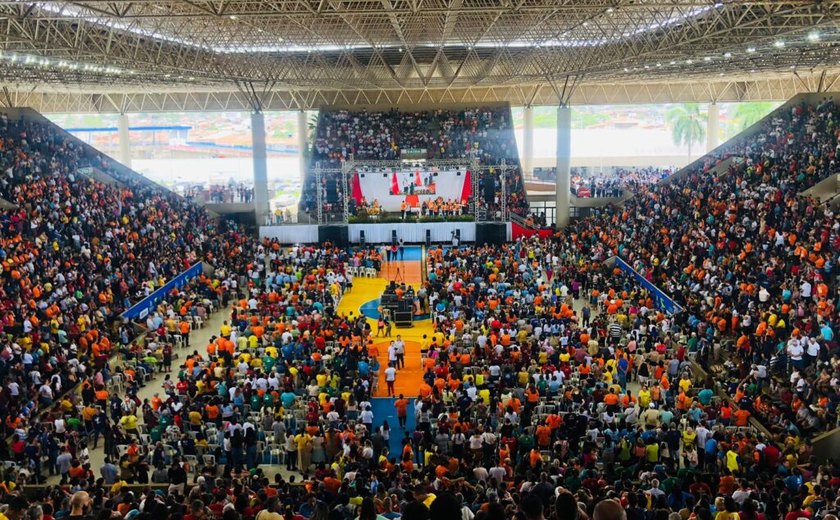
(442, 134)
(76, 253)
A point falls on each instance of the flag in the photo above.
(466, 191)
(395, 185)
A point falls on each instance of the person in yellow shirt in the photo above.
(225, 330)
(644, 397)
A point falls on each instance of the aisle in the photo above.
(364, 299)
(383, 410)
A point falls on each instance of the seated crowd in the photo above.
(534, 405)
(77, 252)
(486, 133)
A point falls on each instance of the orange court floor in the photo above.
(364, 291)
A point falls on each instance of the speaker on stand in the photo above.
(362, 237)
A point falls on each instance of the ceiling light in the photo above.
(191, 78)
(779, 44)
(673, 62)
(233, 17)
(658, 64)
(585, 24)
(707, 58)
(626, 69)
(813, 36)
(610, 10)
(259, 30)
(689, 61)
(727, 55)
(721, 73)
(793, 67)
(750, 49)
(647, 67)
(718, 5)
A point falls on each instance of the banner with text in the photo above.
(660, 299)
(142, 308)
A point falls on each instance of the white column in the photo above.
(712, 127)
(528, 143)
(260, 168)
(125, 145)
(303, 132)
(564, 165)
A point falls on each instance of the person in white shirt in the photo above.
(392, 355)
(813, 350)
(795, 352)
(390, 378)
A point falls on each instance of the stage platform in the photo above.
(408, 232)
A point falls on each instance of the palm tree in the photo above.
(746, 114)
(688, 124)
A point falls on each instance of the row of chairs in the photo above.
(366, 272)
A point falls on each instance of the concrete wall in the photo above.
(825, 189)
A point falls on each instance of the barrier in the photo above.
(660, 299)
(141, 308)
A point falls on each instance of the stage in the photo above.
(410, 233)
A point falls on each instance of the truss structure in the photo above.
(222, 54)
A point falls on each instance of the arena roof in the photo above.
(307, 53)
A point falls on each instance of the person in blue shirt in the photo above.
(705, 396)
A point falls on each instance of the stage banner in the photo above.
(660, 299)
(142, 308)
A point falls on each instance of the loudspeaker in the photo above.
(362, 236)
(393, 236)
(458, 233)
(428, 238)
(489, 190)
(338, 235)
(490, 233)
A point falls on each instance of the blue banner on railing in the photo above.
(141, 309)
(660, 299)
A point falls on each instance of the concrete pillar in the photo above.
(260, 160)
(712, 127)
(528, 143)
(125, 144)
(303, 135)
(564, 165)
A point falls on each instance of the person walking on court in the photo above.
(401, 405)
(400, 346)
(392, 355)
(390, 378)
(402, 250)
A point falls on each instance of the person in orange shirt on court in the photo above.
(401, 405)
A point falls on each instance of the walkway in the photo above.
(364, 299)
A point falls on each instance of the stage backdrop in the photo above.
(414, 186)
